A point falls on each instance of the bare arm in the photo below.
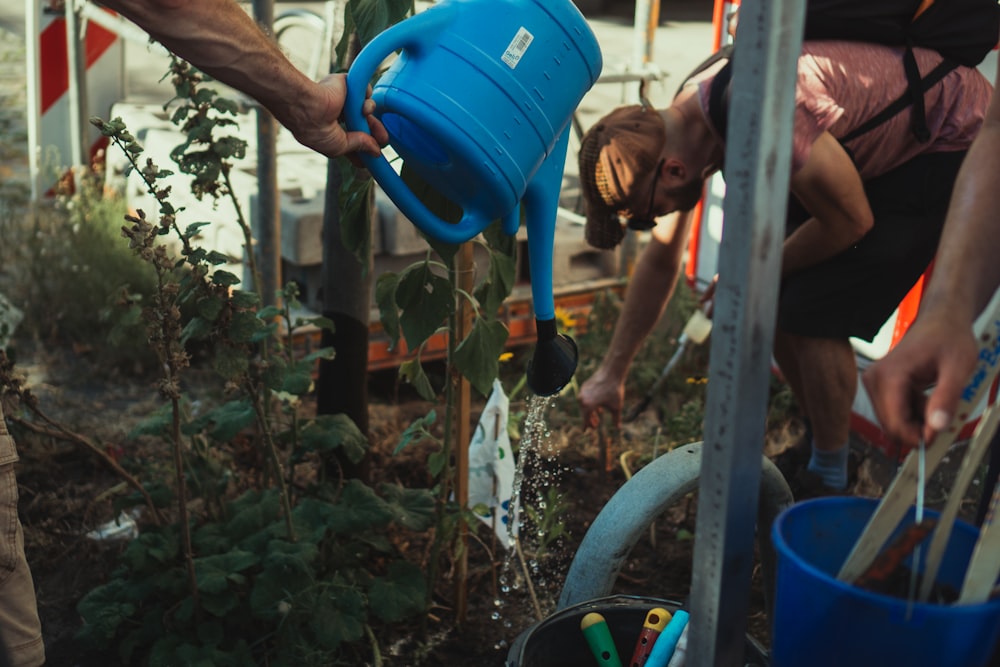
(939, 349)
(649, 290)
(221, 39)
(830, 188)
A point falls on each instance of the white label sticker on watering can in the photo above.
(517, 47)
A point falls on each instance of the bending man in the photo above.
(865, 214)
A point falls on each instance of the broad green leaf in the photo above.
(412, 508)
(216, 258)
(329, 432)
(499, 241)
(209, 307)
(359, 509)
(416, 431)
(321, 322)
(385, 297)
(229, 362)
(312, 519)
(211, 633)
(400, 594)
(243, 325)
(327, 353)
(426, 299)
(373, 16)
(477, 357)
(436, 462)
(210, 539)
(226, 421)
(282, 577)
(339, 617)
(197, 328)
(252, 513)
(268, 313)
(245, 300)
(103, 610)
(158, 423)
(414, 373)
(298, 382)
(151, 550)
(497, 285)
(356, 210)
(225, 278)
(214, 573)
(219, 604)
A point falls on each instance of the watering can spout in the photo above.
(554, 362)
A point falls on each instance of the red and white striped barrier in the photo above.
(60, 103)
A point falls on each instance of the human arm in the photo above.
(221, 39)
(939, 348)
(648, 293)
(829, 187)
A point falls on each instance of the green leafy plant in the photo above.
(282, 573)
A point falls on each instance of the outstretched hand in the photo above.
(599, 393)
(936, 351)
(323, 131)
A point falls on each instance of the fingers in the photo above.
(362, 142)
(943, 403)
(893, 399)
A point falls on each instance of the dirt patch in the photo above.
(66, 492)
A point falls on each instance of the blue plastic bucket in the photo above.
(820, 621)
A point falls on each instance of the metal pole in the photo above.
(759, 145)
(77, 90)
(32, 34)
(268, 218)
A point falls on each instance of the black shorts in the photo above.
(855, 292)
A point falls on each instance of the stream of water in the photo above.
(529, 565)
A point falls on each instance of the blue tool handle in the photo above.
(665, 644)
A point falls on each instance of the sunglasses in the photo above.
(646, 222)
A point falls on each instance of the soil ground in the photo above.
(66, 492)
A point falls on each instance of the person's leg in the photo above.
(20, 628)
(853, 294)
(823, 377)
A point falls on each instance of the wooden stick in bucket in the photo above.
(984, 568)
(902, 491)
(981, 439)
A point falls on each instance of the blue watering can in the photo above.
(479, 103)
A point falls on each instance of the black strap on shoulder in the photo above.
(914, 95)
(718, 106)
(725, 52)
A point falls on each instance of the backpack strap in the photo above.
(718, 106)
(914, 95)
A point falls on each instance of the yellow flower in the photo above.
(565, 319)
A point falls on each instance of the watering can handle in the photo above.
(413, 34)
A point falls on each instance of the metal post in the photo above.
(269, 217)
(759, 145)
(77, 90)
(32, 32)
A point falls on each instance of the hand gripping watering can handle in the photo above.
(414, 34)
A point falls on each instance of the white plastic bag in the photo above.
(491, 468)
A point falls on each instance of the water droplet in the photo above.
(495, 616)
